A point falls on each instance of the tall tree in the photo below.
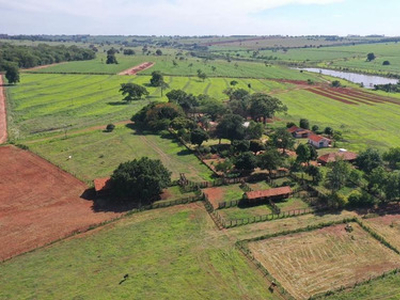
(246, 161)
(304, 123)
(230, 127)
(371, 56)
(140, 180)
(303, 153)
(111, 59)
(392, 156)
(264, 106)
(198, 136)
(369, 160)
(283, 139)
(132, 91)
(12, 73)
(338, 175)
(270, 160)
(156, 78)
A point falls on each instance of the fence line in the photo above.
(270, 217)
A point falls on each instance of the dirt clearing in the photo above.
(136, 69)
(39, 203)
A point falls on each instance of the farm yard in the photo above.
(56, 232)
(318, 261)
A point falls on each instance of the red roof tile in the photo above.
(102, 184)
(285, 190)
(317, 138)
(331, 157)
(293, 129)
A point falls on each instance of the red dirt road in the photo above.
(39, 203)
(3, 116)
(136, 69)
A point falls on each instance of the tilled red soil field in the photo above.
(351, 96)
(39, 203)
(136, 69)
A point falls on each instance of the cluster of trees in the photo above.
(111, 59)
(376, 176)
(140, 181)
(389, 88)
(42, 54)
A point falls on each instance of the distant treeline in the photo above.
(32, 56)
(389, 88)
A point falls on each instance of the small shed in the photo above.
(102, 186)
(319, 141)
(270, 194)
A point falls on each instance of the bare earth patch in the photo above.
(317, 261)
(136, 69)
(39, 203)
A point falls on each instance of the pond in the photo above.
(367, 80)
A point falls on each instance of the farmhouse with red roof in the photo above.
(332, 157)
(298, 132)
(319, 141)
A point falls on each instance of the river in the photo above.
(367, 80)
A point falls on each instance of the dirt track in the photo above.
(136, 69)
(39, 203)
(3, 116)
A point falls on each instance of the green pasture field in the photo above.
(97, 154)
(165, 65)
(234, 213)
(44, 103)
(362, 125)
(280, 225)
(387, 51)
(172, 253)
(385, 288)
(279, 41)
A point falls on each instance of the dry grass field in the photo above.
(326, 259)
(387, 226)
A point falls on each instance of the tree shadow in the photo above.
(184, 152)
(117, 103)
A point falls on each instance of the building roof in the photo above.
(331, 157)
(293, 129)
(269, 193)
(317, 138)
(102, 184)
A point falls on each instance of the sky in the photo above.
(204, 17)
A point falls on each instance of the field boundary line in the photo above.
(3, 112)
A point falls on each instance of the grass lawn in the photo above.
(234, 213)
(279, 225)
(172, 253)
(385, 288)
(291, 204)
(186, 67)
(44, 103)
(96, 153)
(362, 125)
